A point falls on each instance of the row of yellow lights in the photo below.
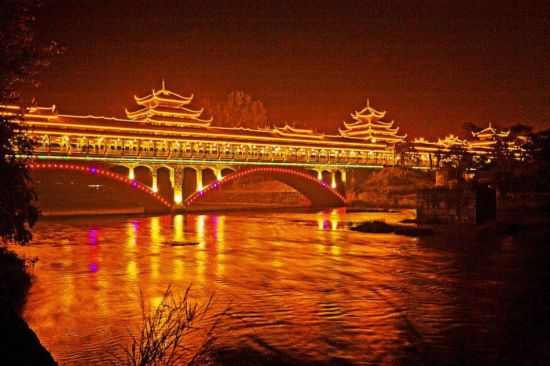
(302, 150)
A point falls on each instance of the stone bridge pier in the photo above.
(176, 176)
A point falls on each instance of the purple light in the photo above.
(94, 267)
(93, 170)
(134, 183)
(93, 236)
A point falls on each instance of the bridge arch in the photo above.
(320, 193)
(107, 173)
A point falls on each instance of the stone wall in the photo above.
(461, 205)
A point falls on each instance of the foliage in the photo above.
(459, 161)
(17, 212)
(15, 280)
(21, 57)
(21, 54)
(405, 153)
(518, 162)
(166, 329)
(237, 109)
(395, 180)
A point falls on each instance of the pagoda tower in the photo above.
(368, 125)
(166, 108)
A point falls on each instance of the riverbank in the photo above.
(19, 345)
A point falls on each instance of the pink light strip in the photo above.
(217, 184)
(103, 172)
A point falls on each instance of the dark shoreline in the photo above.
(19, 345)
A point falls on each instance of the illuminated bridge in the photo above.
(163, 134)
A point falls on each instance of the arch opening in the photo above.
(189, 181)
(319, 193)
(96, 179)
(143, 174)
(326, 176)
(208, 176)
(164, 182)
(120, 169)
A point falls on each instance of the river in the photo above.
(299, 283)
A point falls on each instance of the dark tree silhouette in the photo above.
(21, 56)
(459, 161)
(237, 109)
(405, 153)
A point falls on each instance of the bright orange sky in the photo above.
(433, 67)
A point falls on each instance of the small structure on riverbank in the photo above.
(456, 206)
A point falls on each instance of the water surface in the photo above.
(299, 283)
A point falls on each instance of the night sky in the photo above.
(432, 65)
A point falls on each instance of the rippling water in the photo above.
(302, 283)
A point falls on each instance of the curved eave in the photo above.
(369, 132)
(38, 110)
(360, 123)
(289, 134)
(371, 113)
(295, 130)
(149, 99)
(183, 121)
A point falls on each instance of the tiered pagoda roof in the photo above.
(368, 125)
(164, 107)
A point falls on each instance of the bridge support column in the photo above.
(176, 178)
(131, 174)
(199, 179)
(154, 185)
(343, 175)
(333, 179)
(320, 174)
(218, 173)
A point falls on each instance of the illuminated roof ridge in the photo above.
(287, 130)
(34, 111)
(451, 140)
(490, 132)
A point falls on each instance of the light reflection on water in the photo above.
(301, 282)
